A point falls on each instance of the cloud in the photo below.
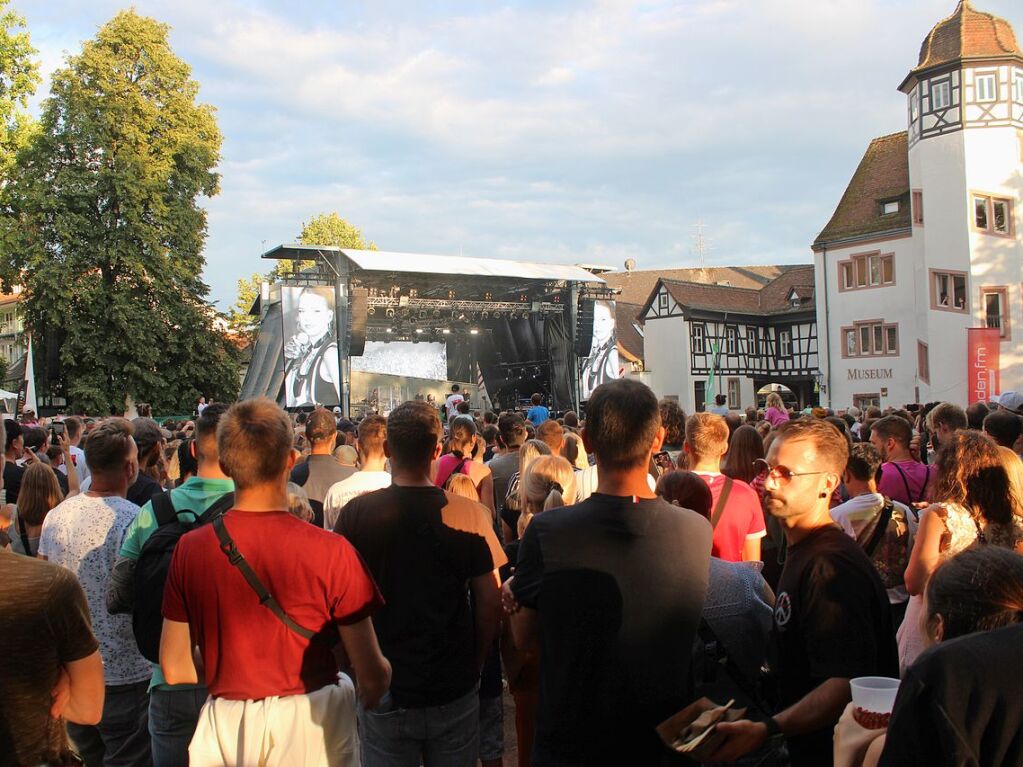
(559, 130)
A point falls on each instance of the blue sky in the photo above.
(549, 131)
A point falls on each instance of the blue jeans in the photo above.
(122, 737)
(173, 714)
(436, 736)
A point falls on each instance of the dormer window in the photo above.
(892, 206)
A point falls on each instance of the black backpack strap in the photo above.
(719, 507)
(880, 529)
(227, 545)
(216, 509)
(163, 508)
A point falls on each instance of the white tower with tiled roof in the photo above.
(926, 240)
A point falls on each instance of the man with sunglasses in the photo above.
(831, 619)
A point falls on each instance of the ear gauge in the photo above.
(823, 495)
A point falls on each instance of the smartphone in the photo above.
(663, 460)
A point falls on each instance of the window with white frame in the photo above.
(986, 86)
(752, 342)
(867, 270)
(995, 301)
(733, 393)
(1017, 87)
(992, 214)
(948, 291)
(699, 340)
(784, 343)
(872, 338)
(731, 344)
(892, 206)
(941, 94)
(914, 106)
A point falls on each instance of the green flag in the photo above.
(708, 393)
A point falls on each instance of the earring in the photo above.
(823, 495)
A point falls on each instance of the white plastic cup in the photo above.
(874, 693)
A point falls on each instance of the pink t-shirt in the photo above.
(742, 518)
(775, 416)
(908, 485)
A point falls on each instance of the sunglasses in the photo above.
(781, 474)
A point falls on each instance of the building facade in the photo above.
(740, 342)
(925, 243)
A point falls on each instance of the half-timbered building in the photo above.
(925, 243)
(735, 340)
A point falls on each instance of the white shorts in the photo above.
(314, 729)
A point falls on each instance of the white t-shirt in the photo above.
(452, 404)
(340, 493)
(78, 458)
(586, 483)
(84, 534)
(854, 515)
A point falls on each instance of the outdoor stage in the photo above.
(368, 329)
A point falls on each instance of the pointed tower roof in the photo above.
(966, 34)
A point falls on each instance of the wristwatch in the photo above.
(773, 728)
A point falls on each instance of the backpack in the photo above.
(153, 565)
(886, 544)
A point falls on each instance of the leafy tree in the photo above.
(110, 232)
(322, 229)
(19, 76)
(238, 318)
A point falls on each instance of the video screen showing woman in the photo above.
(312, 375)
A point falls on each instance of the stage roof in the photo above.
(418, 263)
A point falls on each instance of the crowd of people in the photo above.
(253, 587)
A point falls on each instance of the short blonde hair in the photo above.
(254, 441)
(707, 435)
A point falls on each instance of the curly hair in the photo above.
(971, 474)
(673, 419)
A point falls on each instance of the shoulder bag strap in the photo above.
(885, 517)
(719, 507)
(227, 545)
(905, 480)
(163, 508)
(23, 534)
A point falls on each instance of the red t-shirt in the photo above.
(248, 653)
(742, 518)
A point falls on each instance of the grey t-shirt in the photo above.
(503, 467)
(316, 475)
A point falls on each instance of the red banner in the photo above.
(982, 364)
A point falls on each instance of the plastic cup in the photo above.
(874, 693)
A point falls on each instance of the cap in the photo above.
(1011, 400)
(337, 410)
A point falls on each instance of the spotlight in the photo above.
(371, 311)
(446, 331)
(474, 332)
(403, 301)
(419, 330)
(484, 315)
(389, 312)
(389, 330)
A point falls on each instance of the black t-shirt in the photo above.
(12, 480)
(422, 545)
(619, 585)
(831, 619)
(143, 489)
(960, 704)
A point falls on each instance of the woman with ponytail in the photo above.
(465, 451)
(547, 482)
